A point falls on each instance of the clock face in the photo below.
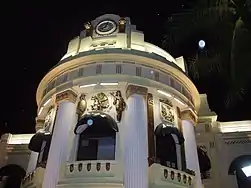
(106, 27)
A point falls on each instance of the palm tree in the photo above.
(225, 26)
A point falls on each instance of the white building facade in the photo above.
(117, 111)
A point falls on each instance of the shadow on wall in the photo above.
(14, 174)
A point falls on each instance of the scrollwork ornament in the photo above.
(166, 111)
(100, 102)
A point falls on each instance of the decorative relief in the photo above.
(133, 89)
(100, 102)
(49, 120)
(167, 111)
(82, 105)
(66, 95)
(119, 103)
(150, 120)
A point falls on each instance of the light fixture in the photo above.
(247, 170)
(109, 84)
(40, 111)
(164, 93)
(179, 101)
(89, 122)
(87, 85)
(202, 44)
(47, 102)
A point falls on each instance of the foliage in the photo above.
(225, 26)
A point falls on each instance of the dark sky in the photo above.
(35, 37)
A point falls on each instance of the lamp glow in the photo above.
(179, 101)
(247, 170)
(202, 44)
(164, 93)
(88, 85)
(47, 102)
(109, 84)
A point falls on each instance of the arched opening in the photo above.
(204, 162)
(237, 168)
(40, 143)
(14, 174)
(169, 143)
(97, 138)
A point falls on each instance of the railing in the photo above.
(160, 176)
(34, 179)
(92, 172)
(90, 168)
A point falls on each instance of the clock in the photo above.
(106, 27)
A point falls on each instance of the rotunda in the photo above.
(116, 111)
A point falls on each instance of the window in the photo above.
(96, 148)
(97, 140)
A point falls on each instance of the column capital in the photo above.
(67, 95)
(134, 89)
(188, 114)
(39, 123)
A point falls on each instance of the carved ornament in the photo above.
(167, 111)
(82, 105)
(119, 103)
(100, 102)
(68, 95)
(133, 89)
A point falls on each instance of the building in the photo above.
(117, 111)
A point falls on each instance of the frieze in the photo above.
(119, 104)
(167, 111)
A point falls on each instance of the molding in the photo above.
(39, 123)
(134, 89)
(67, 95)
(122, 56)
(189, 115)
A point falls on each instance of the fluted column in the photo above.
(59, 144)
(192, 161)
(135, 139)
(32, 162)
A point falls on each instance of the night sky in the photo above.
(35, 37)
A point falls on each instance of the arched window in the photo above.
(14, 174)
(40, 143)
(238, 167)
(169, 143)
(97, 138)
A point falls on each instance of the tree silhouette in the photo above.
(225, 61)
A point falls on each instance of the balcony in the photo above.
(91, 173)
(161, 176)
(34, 179)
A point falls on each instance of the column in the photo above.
(192, 161)
(135, 143)
(32, 162)
(59, 144)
